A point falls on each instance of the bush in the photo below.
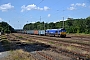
(6, 44)
(7, 31)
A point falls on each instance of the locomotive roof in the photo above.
(52, 29)
(55, 29)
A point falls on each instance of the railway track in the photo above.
(55, 41)
(64, 43)
(83, 38)
(37, 55)
(41, 56)
(64, 40)
(72, 54)
(79, 37)
(61, 41)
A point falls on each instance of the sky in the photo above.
(20, 12)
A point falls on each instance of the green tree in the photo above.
(87, 22)
(71, 25)
(5, 27)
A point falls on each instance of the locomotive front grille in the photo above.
(62, 33)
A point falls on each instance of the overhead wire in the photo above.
(36, 5)
(54, 13)
(25, 13)
(39, 4)
(56, 10)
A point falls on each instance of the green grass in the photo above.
(78, 34)
(51, 42)
(19, 55)
(88, 56)
(3, 37)
(20, 37)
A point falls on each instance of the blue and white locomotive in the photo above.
(56, 32)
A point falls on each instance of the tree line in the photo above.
(71, 25)
(6, 28)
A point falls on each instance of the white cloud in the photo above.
(74, 6)
(49, 15)
(1, 19)
(33, 7)
(78, 4)
(71, 8)
(33, 22)
(84, 5)
(59, 20)
(81, 4)
(6, 7)
(46, 8)
(56, 21)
